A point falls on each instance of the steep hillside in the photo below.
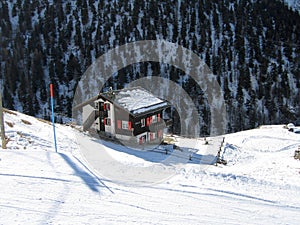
(252, 47)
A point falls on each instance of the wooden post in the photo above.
(2, 124)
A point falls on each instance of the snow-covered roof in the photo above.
(137, 100)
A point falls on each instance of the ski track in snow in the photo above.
(260, 184)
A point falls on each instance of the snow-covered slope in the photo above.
(260, 184)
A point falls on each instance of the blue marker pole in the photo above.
(52, 108)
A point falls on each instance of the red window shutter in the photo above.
(129, 125)
(104, 121)
(119, 124)
(160, 133)
(150, 118)
(148, 121)
(158, 117)
(104, 106)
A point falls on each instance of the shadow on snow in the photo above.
(93, 182)
(162, 153)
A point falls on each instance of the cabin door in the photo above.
(101, 117)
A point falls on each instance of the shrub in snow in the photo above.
(297, 154)
(290, 125)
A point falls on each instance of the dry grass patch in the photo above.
(44, 121)
(10, 124)
(9, 112)
(26, 122)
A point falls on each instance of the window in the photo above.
(107, 121)
(107, 106)
(124, 125)
(142, 139)
(154, 119)
(143, 123)
(152, 136)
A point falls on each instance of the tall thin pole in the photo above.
(2, 124)
(52, 109)
(1, 107)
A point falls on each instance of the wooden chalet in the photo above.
(132, 114)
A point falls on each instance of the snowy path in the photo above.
(50, 188)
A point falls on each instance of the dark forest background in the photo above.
(252, 47)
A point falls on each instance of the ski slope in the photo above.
(259, 185)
